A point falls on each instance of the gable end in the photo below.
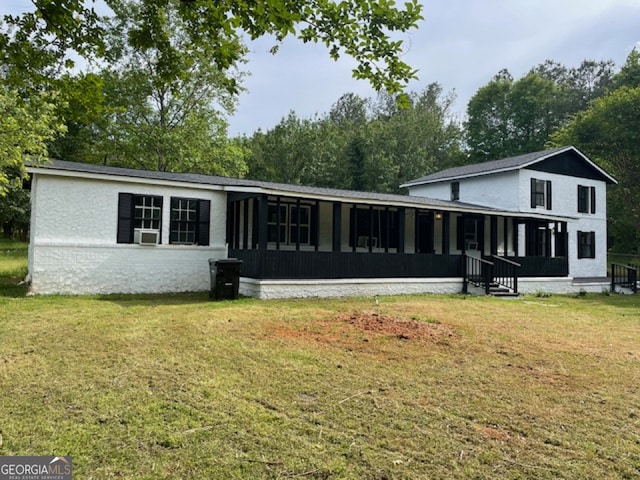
(569, 163)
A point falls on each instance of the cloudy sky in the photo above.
(461, 44)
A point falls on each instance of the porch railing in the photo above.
(624, 276)
(505, 272)
(288, 264)
(478, 272)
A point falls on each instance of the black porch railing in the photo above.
(287, 264)
(505, 272)
(478, 272)
(541, 266)
(624, 276)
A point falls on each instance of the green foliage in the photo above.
(26, 124)
(15, 211)
(40, 40)
(361, 144)
(609, 132)
(509, 117)
(629, 74)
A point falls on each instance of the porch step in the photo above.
(498, 291)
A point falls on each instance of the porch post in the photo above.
(255, 223)
(337, 226)
(446, 234)
(493, 249)
(298, 224)
(245, 225)
(515, 224)
(370, 228)
(505, 232)
(263, 222)
(401, 229)
(278, 222)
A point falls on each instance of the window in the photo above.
(373, 228)
(540, 193)
(586, 199)
(189, 218)
(289, 225)
(455, 191)
(469, 232)
(189, 221)
(137, 212)
(586, 245)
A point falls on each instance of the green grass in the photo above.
(440, 387)
(13, 267)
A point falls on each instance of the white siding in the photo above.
(73, 241)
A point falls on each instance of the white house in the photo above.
(98, 229)
(561, 182)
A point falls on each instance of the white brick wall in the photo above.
(73, 246)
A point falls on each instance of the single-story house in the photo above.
(528, 223)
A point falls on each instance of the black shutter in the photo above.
(125, 218)
(580, 244)
(533, 193)
(549, 204)
(204, 219)
(593, 199)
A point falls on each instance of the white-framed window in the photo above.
(138, 213)
(184, 221)
(289, 225)
(147, 212)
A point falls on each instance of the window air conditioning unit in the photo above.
(363, 241)
(471, 245)
(143, 236)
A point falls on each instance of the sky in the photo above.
(461, 44)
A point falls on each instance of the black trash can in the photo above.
(225, 278)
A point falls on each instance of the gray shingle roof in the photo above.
(240, 184)
(503, 165)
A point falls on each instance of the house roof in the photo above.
(240, 185)
(506, 165)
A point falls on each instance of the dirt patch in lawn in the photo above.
(401, 328)
(366, 326)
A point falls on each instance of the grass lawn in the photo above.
(436, 387)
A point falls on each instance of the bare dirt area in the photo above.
(367, 326)
(401, 328)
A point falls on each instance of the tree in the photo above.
(509, 117)
(361, 144)
(15, 212)
(629, 74)
(360, 29)
(140, 114)
(25, 127)
(609, 132)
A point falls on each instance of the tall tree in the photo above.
(361, 144)
(360, 29)
(629, 74)
(609, 132)
(25, 127)
(509, 117)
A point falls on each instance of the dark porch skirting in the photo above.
(282, 264)
(311, 265)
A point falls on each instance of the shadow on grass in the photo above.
(134, 300)
(9, 287)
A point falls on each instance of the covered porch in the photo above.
(284, 237)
